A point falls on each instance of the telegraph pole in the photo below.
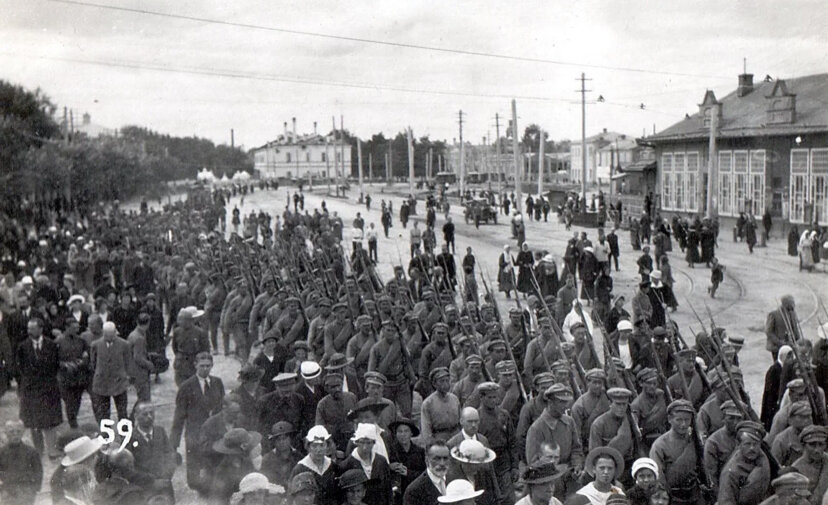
(359, 168)
(342, 150)
(390, 165)
(410, 161)
(540, 164)
(327, 165)
(336, 170)
(518, 160)
(713, 165)
(371, 166)
(497, 142)
(462, 158)
(583, 91)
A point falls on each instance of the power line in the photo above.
(384, 42)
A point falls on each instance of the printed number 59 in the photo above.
(124, 428)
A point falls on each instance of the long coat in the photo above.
(524, 263)
(505, 274)
(39, 392)
(111, 364)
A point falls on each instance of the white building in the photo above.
(298, 156)
(597, 160)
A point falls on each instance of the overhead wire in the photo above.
(387, 43)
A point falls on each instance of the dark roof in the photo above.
(747, 116)
(640, 166)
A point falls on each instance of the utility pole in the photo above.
(66, 126)
(583, 91)
(359, 168)
(518, 159)
(540, 164)
(430, 164)
(497, 142)
(327, 166)
(371, 167)
(232, 139)
(336, 170)
(612, 167)
(410, 141)
(390, 165)
(462, 159)
(712, 210)
(342, 151)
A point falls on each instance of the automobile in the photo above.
(479, 210)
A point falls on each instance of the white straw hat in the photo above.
(459, 490)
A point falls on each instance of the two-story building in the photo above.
(599, 148)
(293, 156)
(771, 152)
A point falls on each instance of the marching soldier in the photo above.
(675, 454)
(555, 425)
(592, 404)
(790, 489)
(389, 357)
(650, 407)
(786, 446)
(813, 464)
(744, 479)
(613, 429)
(687, 368)
(496, 425)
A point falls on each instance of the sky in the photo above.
(250, 66)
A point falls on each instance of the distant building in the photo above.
(297, 156)
(93, 130)
(772, 151)
(599, 148)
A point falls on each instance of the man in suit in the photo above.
(110, 360)
(40, 409)
(431, 483)
(17, 329)
(141, 367)
(152, 450)
(198, 398)
(777, 324)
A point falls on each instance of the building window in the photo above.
(287, 157)
(725, 183)
(678, 181)
(819, 184)
(691, 176)
(799, 184)
(324, 157)
(757, 183)
(338, 157)
(307, 157)
(667, 181)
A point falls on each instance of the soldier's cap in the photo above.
(383, 298)
(515, 311)
(465, 319)
(576, 325)
(388, 323)
(813, 432)
(617, 499)
(324, 302)
(334, 378)
(375, 378)
(558, 392)
(338, 361)
(474, 359)
(363, 318)
(352, 477)
(752, 429)
(292, 299)
(687, 353)
(303, 483)
(605, 451)
(486, 306)
(560, 365)
(539, 379)
(681, 406)
(596, 373)
(284, 377)
(567, 346)
(624, 325)
(450, 308)
(427, 293)
(281, 428)
(729, 408)
(544, 320)
(487, 387)
(506, 366)
(460, 339)
(659, 332)
(792, 482)
(439, 326)
(370, 304)
(340, 305)
(736, 339)
(796, 384)
(619, 393)
(495, 342)
(540, 474)
(438, 373)
(800, 408)
(301, 344)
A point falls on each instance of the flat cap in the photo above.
(681, 406)
(596, 373)
(659, 332)
(792, 482)
(506, 366)
(542, 378)
(646, 374)
(560, 365)
(687, 353)
(729, 408)
(375, 378)
(301, 344)
(752, 429)
(736, 339)
(474, 359)
(800, 408)
(813, 432)
(558, 392)
(796, 384)
(619, 393)
(486, 387)
(438, 373)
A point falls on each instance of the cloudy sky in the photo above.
(251, 65)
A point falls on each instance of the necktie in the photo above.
(206, 387)
(442, 487)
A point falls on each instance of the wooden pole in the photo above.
(371, 168)
(390, 162)
(359, 168)
(327, 165)
(713, 166)
(410, 161)
(462, 173)
(499, 166)
(518, 159)
(342, 151)
(540, 164)
(583, 137)
(336, 170)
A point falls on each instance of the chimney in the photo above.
(605, 130)
(745, 85)
(285, 130)
(294, 129)
(86, 118)
(314, 129)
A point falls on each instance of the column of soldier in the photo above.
(355, 390)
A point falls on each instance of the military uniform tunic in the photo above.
(817, 474)
(744, 482)
(676, 457)
(651, 414)
(786, 447)
(563, 431)
(717, 450)
(586, 410)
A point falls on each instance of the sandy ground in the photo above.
(753, 285)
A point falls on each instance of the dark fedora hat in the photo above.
(237, 441)
(404, 421)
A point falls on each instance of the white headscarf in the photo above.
(784, 351)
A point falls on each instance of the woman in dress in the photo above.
(806, 252)
(525, 262)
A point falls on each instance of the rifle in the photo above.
(590, 342)
(557, 335)
(523, 393)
